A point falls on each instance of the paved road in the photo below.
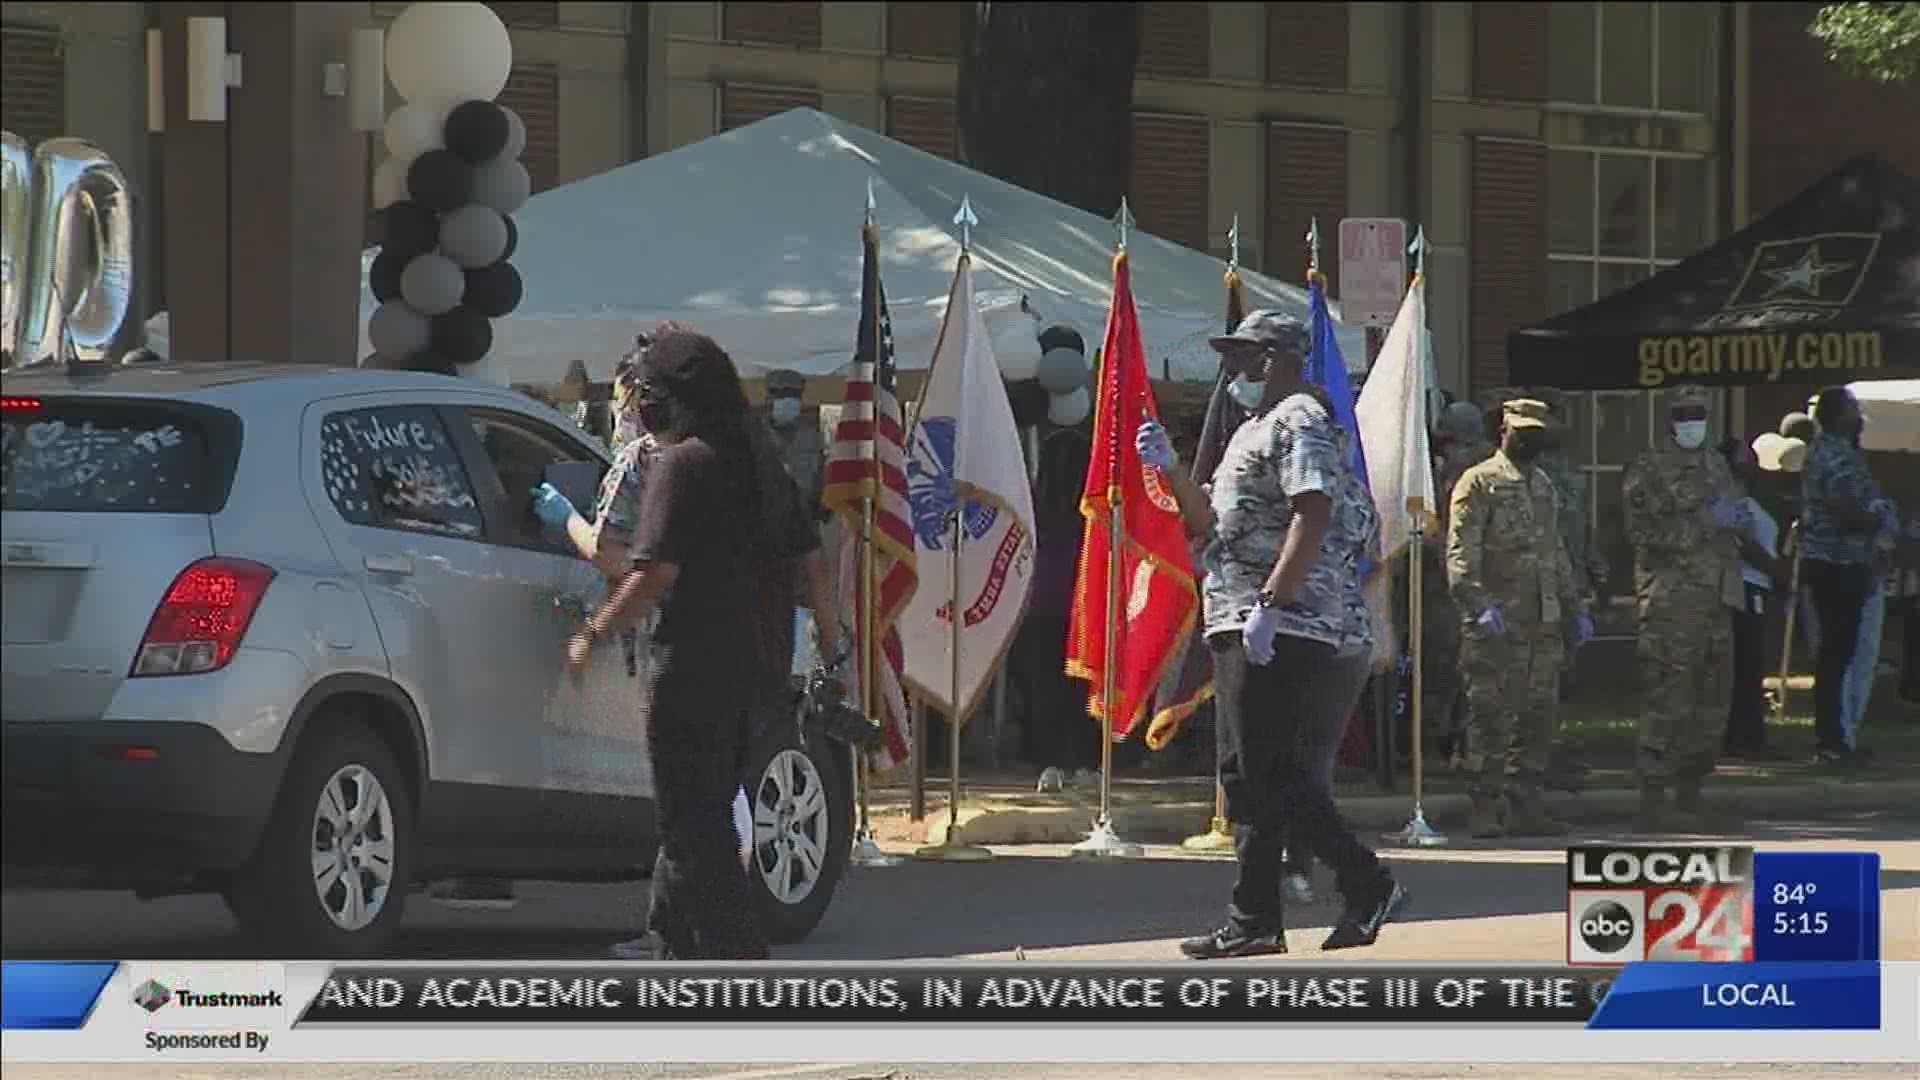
(1473, 902)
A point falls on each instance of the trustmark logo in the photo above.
(152, 995)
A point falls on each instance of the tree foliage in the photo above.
(1046, 98)
(1880, 41)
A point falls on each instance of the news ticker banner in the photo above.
(1721, 904)
(237, 1007)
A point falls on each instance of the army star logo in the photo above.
(1806, 275)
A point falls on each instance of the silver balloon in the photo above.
(1062, 371)
(68, 252)
(502, 183)
(516, 134)
(397, 330)
(432, 284)
(473, 236)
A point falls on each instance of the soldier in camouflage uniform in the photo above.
(800, 445)
(1685, 524)
(1515, 592)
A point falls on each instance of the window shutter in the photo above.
(742, 105)
(928, 124)
(33, 75)
(529, 15)
(1306, 180)
(772, 24)
(932, 30)
(1168, 189)
(1307, 45)
(533, 91)
(1510, 45)
(1506, 276)
(1175, 40)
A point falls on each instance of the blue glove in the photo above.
(1491, 620)
(551, 507)
(1154, 446)
(1582, 629)
(1262, 623)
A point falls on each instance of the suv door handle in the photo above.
(389, 564)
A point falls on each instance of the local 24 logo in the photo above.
(1659, 903)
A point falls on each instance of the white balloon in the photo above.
(448, 53)
(1018, 350)
(415, 128)
(1067, 410)
(390, 182)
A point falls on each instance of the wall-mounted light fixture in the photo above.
(156, 82)
(367, 80)
(211, 70)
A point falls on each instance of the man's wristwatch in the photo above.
(1265, 598)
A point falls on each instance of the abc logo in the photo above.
(1606, 926)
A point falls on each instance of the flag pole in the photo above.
(950, 849)
(1417, 832)
(866, 849)
(1219, 834)
(1793, 609)
(1104, 842)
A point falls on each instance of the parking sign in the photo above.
(1373, 270)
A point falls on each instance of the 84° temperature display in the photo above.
(1816, 906)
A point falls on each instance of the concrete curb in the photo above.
(992, 822)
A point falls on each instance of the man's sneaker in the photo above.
(477, 894)
(1299, 889)
(1051, 779)
(649, 947)
(1361, 922)
(1230, 940)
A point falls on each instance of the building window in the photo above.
(1634, 56)
(1616, 218)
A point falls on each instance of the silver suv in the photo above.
(293, 635)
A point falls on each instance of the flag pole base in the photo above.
(949, 851)
(1417, 832)
(1217, 838)
(1104, 843)
(867, 853)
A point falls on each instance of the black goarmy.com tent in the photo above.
(1824, 289)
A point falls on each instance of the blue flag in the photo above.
(1327, 369)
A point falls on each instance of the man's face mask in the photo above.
(1246, 393)
(1525, 444)
(655, 409)
(783, 411)
(1690, 434)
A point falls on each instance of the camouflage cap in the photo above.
(1524, 413)
(1689, 397)
(785, 382)
(1554, 397)
(1269, 327)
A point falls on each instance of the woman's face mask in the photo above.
(1246, 393)
(1690, 434)
(655, 409)
(784, 410)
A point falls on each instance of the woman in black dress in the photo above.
(721, 531)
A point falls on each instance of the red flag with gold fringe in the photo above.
(1149, 599)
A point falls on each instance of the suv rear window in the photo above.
(76, 456)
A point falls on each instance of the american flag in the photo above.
(868, 460)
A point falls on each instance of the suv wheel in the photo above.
(330, 876)
(802, 801)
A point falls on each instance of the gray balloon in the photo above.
(516, 134)
(397, 330)
(502, 184)
(473, 236)
(1062, 371)
(432, 284)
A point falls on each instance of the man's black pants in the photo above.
(1839, 598)
(1276, 722)
(1747, 712)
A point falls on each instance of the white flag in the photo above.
(1392, 417)
(965, 446)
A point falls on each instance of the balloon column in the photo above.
(1064, 375)
(446, 192)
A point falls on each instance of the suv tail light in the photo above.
(19, 404)
(202, 619)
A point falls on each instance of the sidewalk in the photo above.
(1166, 811)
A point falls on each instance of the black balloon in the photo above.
(513, 240)
(462, 335)
(1062, 337)
(383, 277)
(1029, 400)
(440, 180)
(408, 229)
(432, 363)
(477, 131)
(494, 290)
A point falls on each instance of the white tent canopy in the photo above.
(1892, 408)
(752, 235)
